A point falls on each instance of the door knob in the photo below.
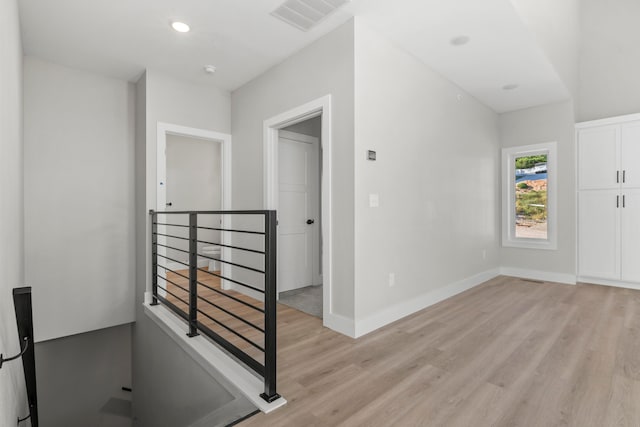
(310, 221)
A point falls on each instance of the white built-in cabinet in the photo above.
(609, 201)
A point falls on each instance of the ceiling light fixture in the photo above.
(512, 86)
(459, 40)
(209, 69)
(180, 27)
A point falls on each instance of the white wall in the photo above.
(532, 126)
(13, 399)
(172, 101)
(171, 389)
(77, 376)
(79, 199)
(141, 215)
(436, 175)
(556, 27)
(322, 68)
(609, 60)
(161, 98)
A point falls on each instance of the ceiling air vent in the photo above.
(304, 14)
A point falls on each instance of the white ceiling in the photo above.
(120, 38)
(501, 51)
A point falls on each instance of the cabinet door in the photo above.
(598, 158)
(630, 155)
(598, 234)
(630, 235)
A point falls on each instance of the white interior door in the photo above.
(298, 210)
(630, 236)
(598, 234)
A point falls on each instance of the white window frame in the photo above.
(509, 156)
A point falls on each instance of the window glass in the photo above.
(531, 197)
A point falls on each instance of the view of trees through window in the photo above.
(531, 196)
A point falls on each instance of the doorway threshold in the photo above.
(307, 299)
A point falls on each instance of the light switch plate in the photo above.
(374, 200)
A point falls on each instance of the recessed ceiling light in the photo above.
(209, 69)
(180, 27)
(459, 40)
(512, 86)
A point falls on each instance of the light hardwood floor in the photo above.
(506, 353)
(178, 295)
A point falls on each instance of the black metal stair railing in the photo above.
(24, 322)
(188, 299)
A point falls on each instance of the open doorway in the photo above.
(194, 178)
(194, 183)
(293, 130)
(299, 213)
(193, 174)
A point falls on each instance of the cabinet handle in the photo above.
(624, 176)
(623, 201)
(617, 177)
(617, 201)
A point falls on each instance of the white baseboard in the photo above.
(545, 276)
(405, 308)
(609, 282)
(338, 323)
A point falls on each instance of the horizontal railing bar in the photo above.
(241, 355)
(232, 230)
(232, 263)
(174, 260)
(173, 307)
(169, 235)
(169, 292)
(173, 283)
(239, 335)
(232, 247)
(231, 314)
(171, 225)
(263, 367)
(230, 296)
(171, 247)
(247, 212)
(220, 292)
(235, 351)
(174, 272)
(233, 281)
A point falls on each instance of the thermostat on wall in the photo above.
(371, 155)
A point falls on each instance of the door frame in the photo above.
(164, 129)
(271, 128)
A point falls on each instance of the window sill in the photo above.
(530, 244)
